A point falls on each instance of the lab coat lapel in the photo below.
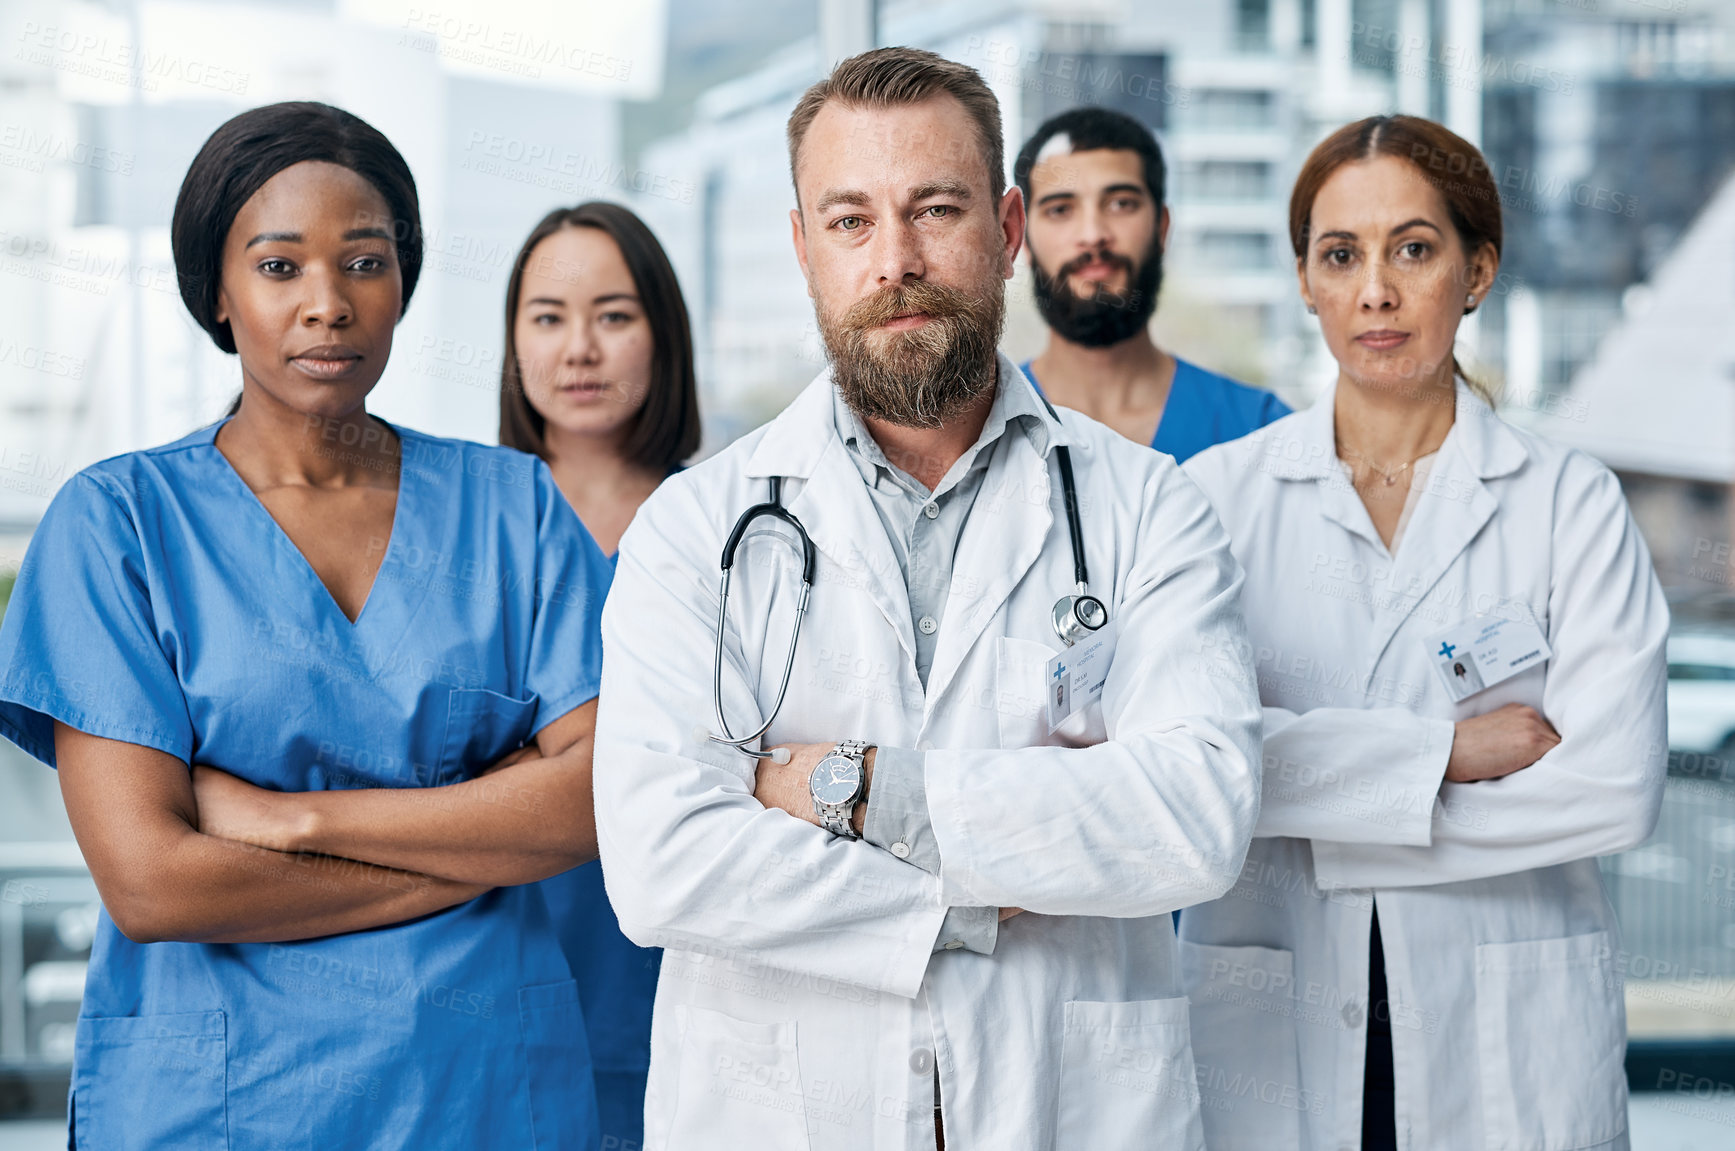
(833, 504)
(1451, 512)
(1309, 452)
(1003, 538)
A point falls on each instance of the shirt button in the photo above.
(1352, 1014)
(954, 944)
(921, 1061)
(901, 850)
(931, 511)
(927, 624)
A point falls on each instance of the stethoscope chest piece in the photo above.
(1077, 616)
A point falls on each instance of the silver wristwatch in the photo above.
(837, 784)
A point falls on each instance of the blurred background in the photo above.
(1609, 125)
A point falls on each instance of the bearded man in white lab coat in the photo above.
(847, 964)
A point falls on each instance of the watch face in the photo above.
(835, 780)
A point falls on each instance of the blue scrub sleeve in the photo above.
(80, 642)
(572, 580)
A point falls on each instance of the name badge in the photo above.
(1478, 653)
(1075, 676)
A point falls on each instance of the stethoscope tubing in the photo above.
(728, 737)
(775, 509)
(809, 561)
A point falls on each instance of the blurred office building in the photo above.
(1608, 127)
(501, 116)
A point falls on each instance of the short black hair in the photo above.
(1090, 129)
(246, 152)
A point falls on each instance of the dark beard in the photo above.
(1104, 317)
(922, 377)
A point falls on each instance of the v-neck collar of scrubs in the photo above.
(405, 473)
(1180, 382)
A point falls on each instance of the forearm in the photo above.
(161, 878)
(1352, 776)
(891, 816)
(208, 890)
(1555, 811)
(515, 825)
(1123, 829)
(695, 862)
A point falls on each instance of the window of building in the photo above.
(1230, 110)
(1235, 251)
(1226, 180)
(1253, 25)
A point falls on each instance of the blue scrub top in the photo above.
(1205, 409)
(617, 985)
(160, 604)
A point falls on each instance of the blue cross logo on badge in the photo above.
(1446, 649)
(1059, 671)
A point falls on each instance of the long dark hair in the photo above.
(666, 429)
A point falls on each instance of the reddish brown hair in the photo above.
(1440, 156)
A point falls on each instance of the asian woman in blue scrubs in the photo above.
(321, 692)
(597, 380)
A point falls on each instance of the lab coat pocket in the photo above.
(1245, 1045)
(738, 1086)
(563, 1113)
(150, 1081)
(1550, 1035)
(1127, 1077)
(481, 727)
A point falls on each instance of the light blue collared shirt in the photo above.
(924, 528)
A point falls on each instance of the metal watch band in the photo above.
(836, 817)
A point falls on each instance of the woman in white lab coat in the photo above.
(1459, 642)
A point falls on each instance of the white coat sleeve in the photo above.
(691, 860)
(1352, 775)
(1597, 791)
(1160, 815)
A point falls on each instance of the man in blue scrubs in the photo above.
(1093, 181)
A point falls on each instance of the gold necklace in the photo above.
(1391, 476)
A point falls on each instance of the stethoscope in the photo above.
(1075, 616)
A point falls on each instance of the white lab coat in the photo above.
(800, 1004)
(1502, 956)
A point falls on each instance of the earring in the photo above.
(1469, 303)
(1312, 311)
